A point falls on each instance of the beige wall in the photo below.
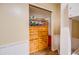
(13, 18)
(57, 20)
(75, 28)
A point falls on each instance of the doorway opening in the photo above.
(39, 29)
(74, 35)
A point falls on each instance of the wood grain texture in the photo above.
(38, 38)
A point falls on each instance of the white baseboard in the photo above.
(56, 43)
(16, 48)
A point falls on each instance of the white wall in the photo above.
(73, 10)
(65, 37)
(57, 42)
(14, 23)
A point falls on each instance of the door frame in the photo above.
(51, 21)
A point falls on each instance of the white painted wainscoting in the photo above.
(18, 48)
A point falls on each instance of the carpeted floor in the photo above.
(45, 52)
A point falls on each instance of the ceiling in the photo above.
(75, 18)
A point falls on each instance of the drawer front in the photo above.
(33, 37)
(43, 43)
(38, 38)
(33, 46)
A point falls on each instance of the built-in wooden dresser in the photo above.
(38, 38)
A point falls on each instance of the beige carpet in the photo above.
(45, 52)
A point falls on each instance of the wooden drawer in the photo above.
(32, 50)
(33, 46)
(33, 30)
(41, 47)
(33, 43)
(43, 44)
(33, 37)
(34, 33)
(38, 38)
(43, 33)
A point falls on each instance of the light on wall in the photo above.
(17, 11)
